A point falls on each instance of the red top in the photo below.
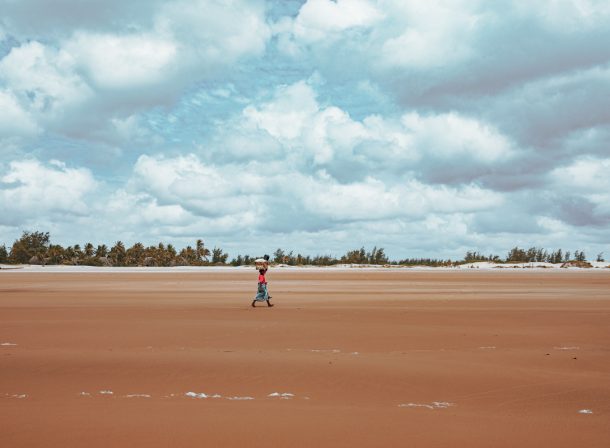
(261, 278)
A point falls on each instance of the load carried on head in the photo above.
(262, 263)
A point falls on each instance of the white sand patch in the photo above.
(106, 392)
(8, 344)
(433, 405)
(137, 396)
(585, 411)
(328, 350)
(281, 395)
(566, 348)
(240, 398)
(17, 396)
(200, 395)
(85, 394)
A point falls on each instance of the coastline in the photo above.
(481, 266)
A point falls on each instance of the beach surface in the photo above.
(346, 358)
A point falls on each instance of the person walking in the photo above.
(262, 293)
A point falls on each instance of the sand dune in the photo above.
(347, 358)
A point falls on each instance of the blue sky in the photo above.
(428, 128)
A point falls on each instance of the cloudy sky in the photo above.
(428, 128)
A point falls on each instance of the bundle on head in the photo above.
(261, 263)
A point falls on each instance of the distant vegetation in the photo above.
(36, 248)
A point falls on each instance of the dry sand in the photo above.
(363, 358)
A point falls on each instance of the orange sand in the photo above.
(509, 357)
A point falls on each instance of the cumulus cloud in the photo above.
(201, 189)
(79, 81)
(587, 174)
(45, 80)
(14, 121)
(568, 16)
(372, 200)
(584, 188)
(278, 197)
(317, 19)
(123, 62)
(213, 31)
(430, 34)
(475, 44)
(428, 145)
(30, 190)
(286, 115)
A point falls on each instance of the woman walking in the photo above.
(262, 293)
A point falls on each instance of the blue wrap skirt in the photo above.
(262, 294)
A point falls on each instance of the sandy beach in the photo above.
(346, 358)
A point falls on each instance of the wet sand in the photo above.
(363, 358)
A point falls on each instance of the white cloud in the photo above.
(297, 121)
(582, 192)
(273, 195)
(589, 178)
(585, 174)
(286, 116)
(454, 137)
(44, 79)
(132, 129)
(215, 32)
(384, 34)
(141, 209)
(14, 121)
(567, 16)
(77, 83)
(31, 189)
(429, 34)
(324, 22)
(202, 189)
(430, 144)
(372, 200)
(122, 62)
(317, 19)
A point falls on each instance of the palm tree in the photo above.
(160, 254)
(189, 254)
(202, 252)
(89, 250)
(135, 255)
(101, 251)
(78, 253)
(117, 253)
(55, 253)
(218, 256)
(170, 255)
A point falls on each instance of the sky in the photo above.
(427, 128)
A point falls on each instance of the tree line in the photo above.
(36, 248)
